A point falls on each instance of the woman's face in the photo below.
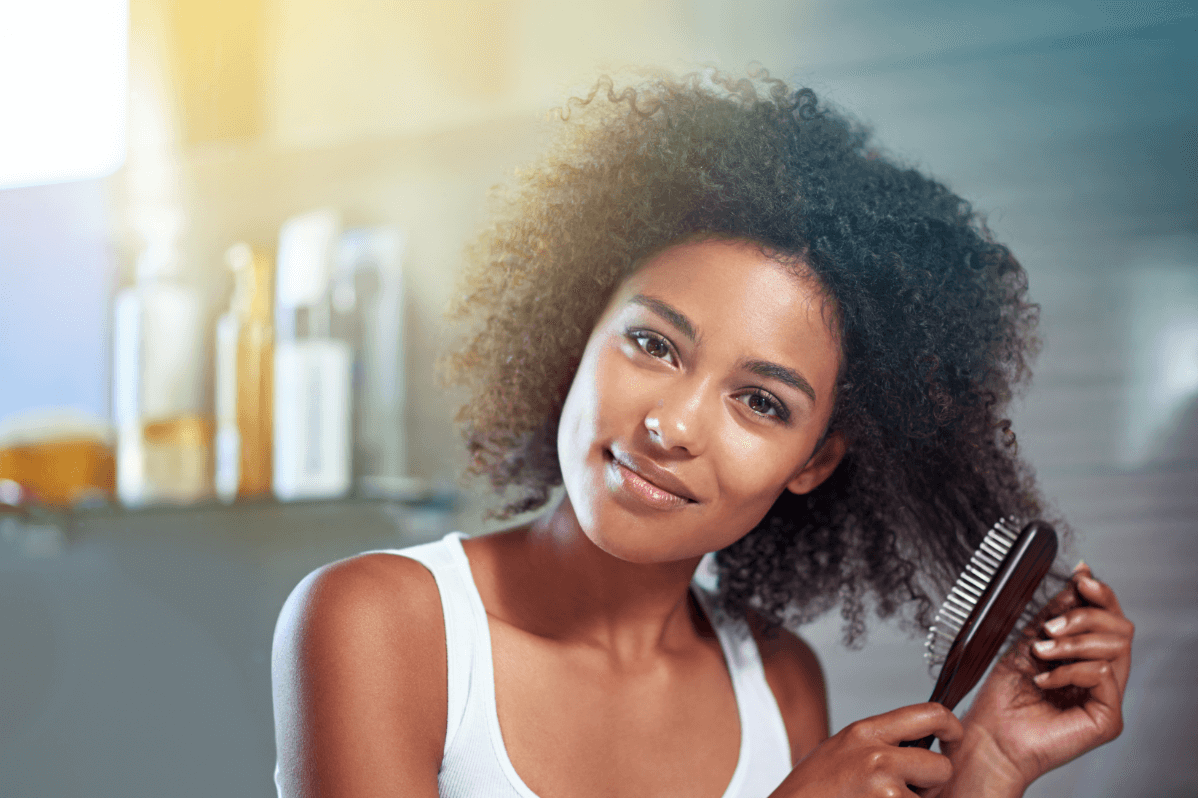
(700, 397)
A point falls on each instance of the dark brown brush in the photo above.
(984, 605)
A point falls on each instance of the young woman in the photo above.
(724, 324)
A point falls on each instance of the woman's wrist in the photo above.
(981, 769)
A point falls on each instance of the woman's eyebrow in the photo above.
(764, 368)
(669, 313)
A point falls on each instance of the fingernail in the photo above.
(1055, 626)
(1090, 582)
(1043, 646)
(1040, 678)
(1080, 565)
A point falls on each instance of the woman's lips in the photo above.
(624, 476)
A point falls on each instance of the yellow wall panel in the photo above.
(217, 49)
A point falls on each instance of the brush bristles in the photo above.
(968, 589)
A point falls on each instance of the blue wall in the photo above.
(56, 279)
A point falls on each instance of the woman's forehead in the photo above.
(724, 269)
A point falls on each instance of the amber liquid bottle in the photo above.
(244, 376)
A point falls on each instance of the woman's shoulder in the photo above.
(365, 594)
(359, 655)
(363, 612)
(796, 679)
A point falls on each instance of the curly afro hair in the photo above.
(934, 324)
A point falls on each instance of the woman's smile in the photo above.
(701, 395)
(642, 480)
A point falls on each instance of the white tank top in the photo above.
(475, 762)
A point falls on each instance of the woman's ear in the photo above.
(821, 465)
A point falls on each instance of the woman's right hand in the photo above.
(864, 758)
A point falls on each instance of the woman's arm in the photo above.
(359, 681)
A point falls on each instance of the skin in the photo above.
(703, 393)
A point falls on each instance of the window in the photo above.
(63, 88)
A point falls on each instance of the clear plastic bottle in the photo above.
(312, 368)
(164, 435)
(368, 301)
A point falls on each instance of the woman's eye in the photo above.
(765, 405)
(652, 345)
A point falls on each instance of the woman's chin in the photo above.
(640, 547)
(624, 527)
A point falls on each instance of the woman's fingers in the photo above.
(894, 769)
(864, 758)
(1097, 593)
(1104, 706)
(1097, 676)
(920, 768)
(910, 723)
(1089, 619)
(1096, 632)
(1084, 646)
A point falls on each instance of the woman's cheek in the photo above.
(624, 393)
(752, 474)
(580, 418)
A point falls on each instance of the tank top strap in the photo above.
(762, 727)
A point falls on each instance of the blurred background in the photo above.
(228, 231)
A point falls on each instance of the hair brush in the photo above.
(984, 605)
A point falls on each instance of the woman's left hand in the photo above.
(1057, 694)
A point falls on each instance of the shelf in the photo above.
(39, 532)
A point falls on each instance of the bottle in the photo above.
(164, 436)
(58, 457)
(368, 307)
(312, 394)
(244, 376)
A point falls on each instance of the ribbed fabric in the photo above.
(476, 763)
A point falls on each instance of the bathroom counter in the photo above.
(136, 644)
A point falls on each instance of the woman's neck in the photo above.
(551, 580)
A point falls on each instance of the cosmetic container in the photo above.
(160, 355)
(244, 378)
(312, 368)
(368, 301)
(58, 457)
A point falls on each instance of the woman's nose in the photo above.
(678, 420)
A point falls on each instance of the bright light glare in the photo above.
(1163, 303)
(63, 86)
